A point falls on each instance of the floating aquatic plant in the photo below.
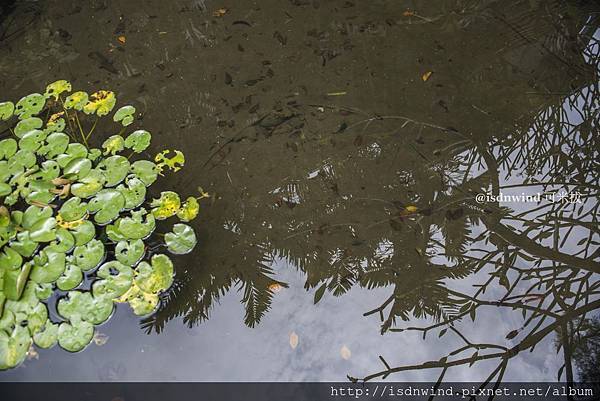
(76, 227)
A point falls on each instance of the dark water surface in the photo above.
(344, 144)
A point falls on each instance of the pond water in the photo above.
(345, 146)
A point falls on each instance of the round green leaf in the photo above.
(30, 105)
(6, 110)
(124, 115)
(182, 240)
(138, 141)
(71, 278)
(73, 209)
(89, 185)
(90, 255)
(134, 193)
(48, 336)
(84, 306)
(74, 151)
(48, 266)
(26, 125)
(43, 230)
(14, 347)
(83, 232)
(145, 170)
(65, 241)
(23, 244)
(107, 204)
(78, 168)
(129, 252)
(136, 226)
(8, 147)
(39, 191)
(76, 336)
(56, 143)
(115, 169)
(116, 280)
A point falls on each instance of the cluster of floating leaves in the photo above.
(75, 225)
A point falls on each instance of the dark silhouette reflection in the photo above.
(352, 197)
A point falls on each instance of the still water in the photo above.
(348, 147)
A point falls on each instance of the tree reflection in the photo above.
(389, 201)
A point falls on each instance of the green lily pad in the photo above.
(49, 265)
(84, 306)
(113, 233)
(4, 172)
(42, 291)
(94, 154)
(33, 214)
(10, 259)
(116, 280)
(115, 169)
(166, 206)
(189, 209)
(14, 347)
(71, 278)
(77, 100)
(26, 125)
(83, 232)
(182, 240)
(23, 158)
(15, 281)
(145, 170)
(113, 145)
(32, 140)
(136, 226)
(101, 103)
(90, 255)
(29, 105)
(138, 141)
(5, 189)
(8, 147)
(77, 168)
(65, 241)
(56, 88)
(49, 171)
(75, 336)
(37, 318)
(129, 252)
(6, 110)
(106, 204)
(141, 302)
(74, 151)
(43, 230)
(23, 244)
(134, 193)
(89, 185)
(47, 336)
(155, 276)
(124, 115)
(39, 191)
(73, 209)
(56, 143)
